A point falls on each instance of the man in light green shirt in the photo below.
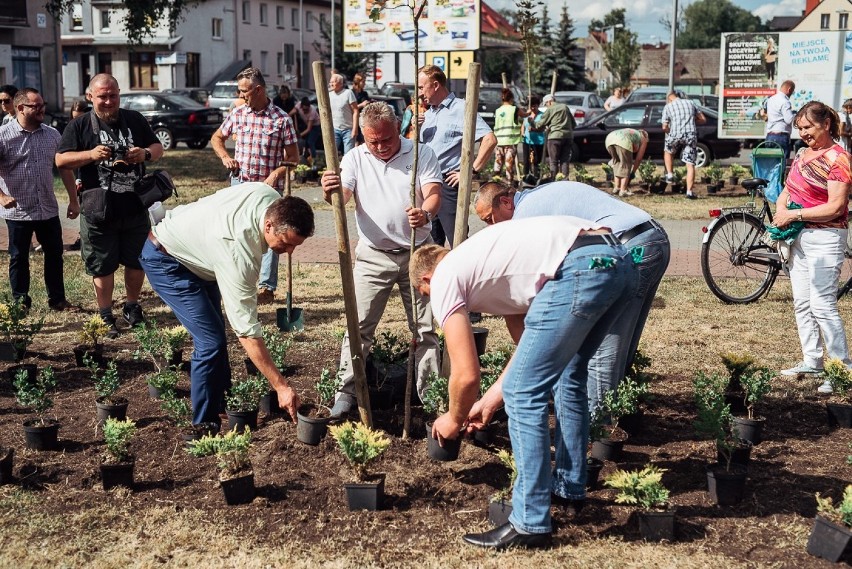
(559, 122)
(207, 254)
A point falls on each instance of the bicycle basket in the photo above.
(768, 162)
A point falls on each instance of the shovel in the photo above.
(289, 319)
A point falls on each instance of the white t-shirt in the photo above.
(341, 111)
(383, 192)
(501, 269)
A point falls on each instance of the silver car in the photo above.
(583, 105)
(224, 93)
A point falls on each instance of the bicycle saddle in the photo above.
(754, 183)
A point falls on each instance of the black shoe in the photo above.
(570, 506)
(133, 314)
(112, 332)
(505, 536)
(75, 246)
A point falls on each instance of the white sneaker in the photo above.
(825, 388)
(801, 368)
(669, 178)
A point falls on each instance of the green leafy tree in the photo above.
(611, 19)
(526, 21)
(544, 54)
(346, 63)
(622, 56)
(141, 17)
(704, 21)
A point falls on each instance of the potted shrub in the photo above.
(436, 402)
(582, 175)
(726, 481)
(608, 172)
(161, 382)
(107, 382)
(596, 433)
(93, 330)
(386, 368)
(117, 465)
(500, 504)
(175, 340)
(679, 180)
(735, 172)
(832, 529)
(312, 419)
(179, 410)
(301, 173)
(648, 174)
(236, 476)
(737, 365)
(41, 432)
(644, 489)
(278, 348)
(492, 362)
(242, 402)
(615, 404)
(154, 346)
(756, 383)
(362, 446)
(839, 407)
(716, 175)
(17, 331)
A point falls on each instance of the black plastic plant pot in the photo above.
(155, 392)
(240, 420)
(111, 407)
(483, 437)
(740, 453)
(310, 430)
(480, 338)
(195, 432)
(734, 398)
(251, 369)
(828, 540)
(447, 453)
(750, 430)
(269, 403)
(8, 352)
(119, 474)
(656, 525)
(726, 487)
(366, 495)
(607, 449)
(593, 472)
(499, 510)
(30, 369)
(632, 423)
(839, 415)
(176, 359)
(238, 490)
(96, 354)
(41, 434)
(7, 461)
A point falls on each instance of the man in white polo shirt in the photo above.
(378, 174)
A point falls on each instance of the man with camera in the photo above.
(110, 146)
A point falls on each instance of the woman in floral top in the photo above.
(819, 182)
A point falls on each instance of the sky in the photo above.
(643, 16)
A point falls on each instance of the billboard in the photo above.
(445, 25)
(754, 65)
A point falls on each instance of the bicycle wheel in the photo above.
(736, 265)
(846, 268)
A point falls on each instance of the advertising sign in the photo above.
(755, 64)
(445, 25)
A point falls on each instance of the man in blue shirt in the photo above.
(442, 126)
(779, 117)
(637, 231)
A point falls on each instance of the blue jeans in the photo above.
(571, 315)
(782, 140)
(268, 277)
(343, 139)
(197, 305)
(610, 362)
(49, 235)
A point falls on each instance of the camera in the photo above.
(118, 155)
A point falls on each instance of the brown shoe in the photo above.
(64, 305)
(265, 296)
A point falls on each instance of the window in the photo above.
(628, 117)
(824, 21)
(263, 57)
(77, 16)
(264, 15)
(279, 16)
(26, 67)
(247, 11)
(216, 32)
(309, 21)
(247, 54)
(143, 70)
(192, 69)
(596, 64)
(105, 20)
(289, 54)
(843, 24)
(294, 18)
(279, 64)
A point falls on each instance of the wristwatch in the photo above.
(799, 215)
(147, 155)
(428, 214)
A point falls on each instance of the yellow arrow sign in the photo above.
(454, 63)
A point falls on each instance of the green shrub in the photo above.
(93, 330)
(231, 450)
(165, 380)
(737, 365)
(648, 172)
(106, 381)
(714, 172)
(736, 171)
(14, 325)
(179, 409)
(152, 344)
(359, 444)
(35, 394)
(389, 348)
(175, 338)
(508, 460)
(623, 400)
(643, 488)
(756, 382)
(841, 512)
(327, 385)
(714, 415)
(277, 346)
(436, 398)
(493, 363)
(245, 395)
(117, 435)
(839, 377)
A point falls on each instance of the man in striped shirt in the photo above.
(266, 142)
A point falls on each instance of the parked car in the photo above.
(224, 93)
(660, 94)
(300, 93)
(175, 118)
(397, 103)
(589, 139)
(404, 90)
(583, 105)
(491, 97)
(200, 95)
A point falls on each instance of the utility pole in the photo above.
(672, 46)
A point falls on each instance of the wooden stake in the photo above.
(553, 84)
(505, 80)
(343, 251)
(468, 141)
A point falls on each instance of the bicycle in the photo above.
(737, 265)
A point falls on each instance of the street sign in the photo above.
(440, 61)
(378, 73)
(452, 63)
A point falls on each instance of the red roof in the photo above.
(493, 23)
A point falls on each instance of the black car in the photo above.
(589, 139)
(175, 118)
(200, 95)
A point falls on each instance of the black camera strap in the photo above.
(96, 129)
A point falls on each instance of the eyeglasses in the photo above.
(36, 107)
(5, 101)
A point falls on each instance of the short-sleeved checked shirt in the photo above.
(680, 113)
(261, 138)
(26, 171)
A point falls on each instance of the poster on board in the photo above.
(445, 25)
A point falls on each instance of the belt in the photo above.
(779, 133)
(157, 245)
(626, 236)
(396, 251)
(586, 240)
